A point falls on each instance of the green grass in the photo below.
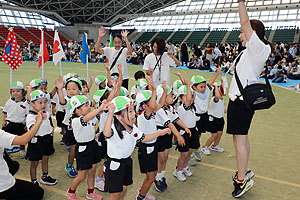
(274, 139)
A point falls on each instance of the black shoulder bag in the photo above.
(113, 64)
(257, 96)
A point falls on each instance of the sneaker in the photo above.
(159, 186)
(14, 149)
(179, 175)
(217, 148)
(22, 154)
(71, 196)
(187, 171)
(35, 182)
(62, 142)
(48, 180)
(242, 188)
(192, 160)
(174, 144)
(99, 185)
(197, 155)
(164, 183)
(249, 174)
(71, 171)
(205, 150)
(149, 197)
(94, 196)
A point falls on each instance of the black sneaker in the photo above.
(164, 183)
(35, 182)
(159, 186)
(48, 180)
(242, 188)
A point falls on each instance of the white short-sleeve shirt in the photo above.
(111, 53)
(122, 148)
(67, 112)
(103, 117)
(147, 124)
(172, 114)
(162, 119)
(187, 115)
(16, 111)
(84, 131)
(251, 64)
(162, 71)
(6, 179)
(216, 109)
(45, 127)
(201, 101)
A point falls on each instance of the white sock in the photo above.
(163, 173)
(158, 176)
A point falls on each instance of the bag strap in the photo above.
(113, 64)
(157, 63)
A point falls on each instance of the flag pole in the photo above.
(11, 76)
(42, 52)
(61, 73)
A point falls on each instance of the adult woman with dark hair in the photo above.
(112, 52)
(11, 188)
(249, 66)
(158, 62)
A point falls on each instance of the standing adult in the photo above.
(209, 53)
(158, 62)
(11, 188)
(250, 65)
(184, 54)
(112, 53)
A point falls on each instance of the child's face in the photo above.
(40, 104)
(201, 87)
(85, 90)
(72, 89)
(84, 109)
(43, 88)
(16, 93)
(182, 97)
(102, 85)
(128, 116)
(170, 98)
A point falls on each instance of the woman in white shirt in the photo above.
(112, 52)
(11, 188)
(249, 67)
(158, 63)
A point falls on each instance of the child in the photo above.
(15, 112)
(122, 137)
(100, 81)
(202, 91)
(87, 150)
(73, 87)
(216, 120)
(41, 146)
(138, 86)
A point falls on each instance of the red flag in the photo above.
(45, 54)
(11, 53)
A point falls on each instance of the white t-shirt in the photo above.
(16, 111)
(67, 111)
(55, 101)
(111, 53)
(84, 131)
(103, 117)
(6, 179)
(172, 114)
(147, 124)
(216, 109)
(162, 119)
(134, 90)
(251, 64)
(45, 127)
(162, 71)
(122, 148)
(201, 101)
(187, 115)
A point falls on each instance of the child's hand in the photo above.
(164, 85)
(111, 108)
(59, 83)
(181, 141)
(4, 123)
(177, 74)
(104, 105)
(106, 66)
(40, 117)
(102, 32)
(150, 71)
(185, 81)
(119, 68)
(219, 71)
(188, 131)
(166, 131)
(28, 86)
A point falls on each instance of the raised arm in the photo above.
(124, 34)
(120, 73)
(101, 35)
(212, 80)
(244, 20)
(59, 83)
(162, 100)
(107, 126)
(218, 96)
(92, 79)
(173, 58)
(109, 80)
(93, 113)
(188, 101)
(152, 103)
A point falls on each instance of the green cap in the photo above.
(98, 95)
(142, 84)
(99, 79)
(76, 80)
(37, 82)
(142, 96)
(75, 102)
(197, 79)
(37, 94)
(17, 85)
(124, 92)
(182, 90)
(121, 103)
(160, 91)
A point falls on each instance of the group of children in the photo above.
(148, 119)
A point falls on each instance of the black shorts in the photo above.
(202, 123)
(238, 118)
(15, 128)
(69, 138)
(40, 146)
(87, 154)
(187, 143)
(60, 115)
(118, 173)
(103, 145)
(164, 142)
(148, 157)
(194, 139)
(215, 124)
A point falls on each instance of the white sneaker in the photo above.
(179, 175)
(187, 171)
(205, 150)
(249, 174)
(99, 185)
(192, 160)
(216, 148)
(22, 154)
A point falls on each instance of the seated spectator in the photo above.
(280, 76)
(294, 72)
(195, 63)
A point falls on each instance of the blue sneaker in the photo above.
(164, 183)
(71, 171)
(159, 186)
(13, 150)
